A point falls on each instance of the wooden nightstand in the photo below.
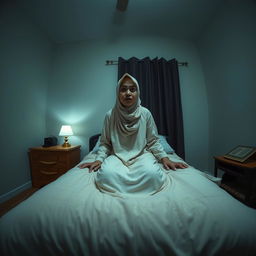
(47, 164)
(239, 179)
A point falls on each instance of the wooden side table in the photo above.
(48, 163)
(239, 179)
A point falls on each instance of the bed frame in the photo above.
(93, 140)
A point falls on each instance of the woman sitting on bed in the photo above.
(130, 156)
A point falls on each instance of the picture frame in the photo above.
(240, 153)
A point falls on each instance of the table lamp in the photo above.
(66, 131)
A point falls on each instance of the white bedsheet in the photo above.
(191, 216)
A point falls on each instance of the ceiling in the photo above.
(76, 20)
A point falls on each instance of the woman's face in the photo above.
(128, 93)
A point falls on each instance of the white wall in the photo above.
(24, 73)
(228, 55)
(82, 88)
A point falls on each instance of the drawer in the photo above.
(41, 178)
(52, 167)
(48, 157)
(42, 175)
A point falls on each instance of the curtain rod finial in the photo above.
(109, 62)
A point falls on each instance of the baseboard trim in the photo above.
(15, 191)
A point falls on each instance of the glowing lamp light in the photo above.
(65, 131)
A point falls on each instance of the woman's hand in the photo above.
(172, 165)
(93, 166)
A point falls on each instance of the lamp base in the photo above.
(66, 143)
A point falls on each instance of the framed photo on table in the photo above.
(240, 153)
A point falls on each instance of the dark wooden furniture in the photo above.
(239, 179)
(48, 163)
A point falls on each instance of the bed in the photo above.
(70, 216)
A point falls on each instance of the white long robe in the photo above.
(131, 163)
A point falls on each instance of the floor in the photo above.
(9, 204)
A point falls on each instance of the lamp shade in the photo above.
(66, 130)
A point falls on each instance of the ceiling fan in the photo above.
(121, 5)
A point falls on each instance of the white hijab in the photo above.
(126, 126)
(127, 119)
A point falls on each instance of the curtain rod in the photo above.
(115, 62)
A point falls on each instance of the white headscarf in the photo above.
(128, 130)
(127, 118)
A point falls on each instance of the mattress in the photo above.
(70, 216)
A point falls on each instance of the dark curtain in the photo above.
(160, 93)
